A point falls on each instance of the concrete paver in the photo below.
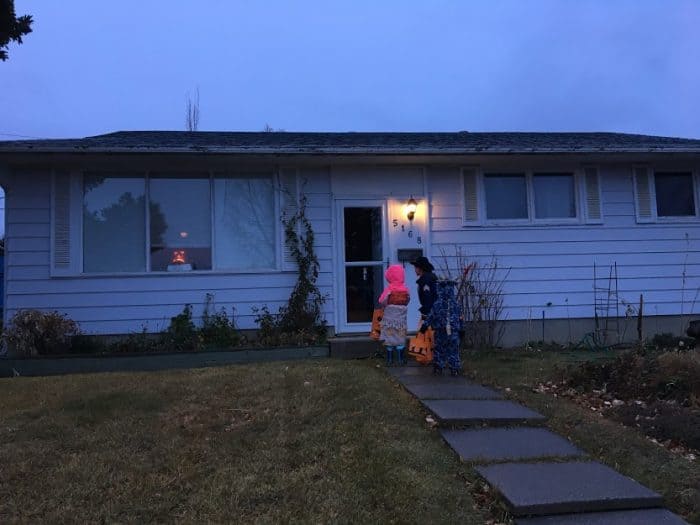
(500, 444)
(559, 488)
(452, 390)
(618, 517)
(470, 412)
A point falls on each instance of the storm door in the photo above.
(362, 255)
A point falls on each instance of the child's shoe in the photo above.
(454, 372)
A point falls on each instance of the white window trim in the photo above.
(531, 220)
(77, 245)
(695, 179)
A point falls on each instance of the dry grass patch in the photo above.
(319, 441)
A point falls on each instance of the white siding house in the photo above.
(120, 231)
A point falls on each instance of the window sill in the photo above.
(137, 275)
(528, 224)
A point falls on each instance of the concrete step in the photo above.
(353, 347)
(618, 517)
(508, 444)
(451, 390)
(536, 489)
(472, 412)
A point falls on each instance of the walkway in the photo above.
(542, 477)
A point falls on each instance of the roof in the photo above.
(457, 143)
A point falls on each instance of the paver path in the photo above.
(569, 492)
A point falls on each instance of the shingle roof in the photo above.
(355, 143)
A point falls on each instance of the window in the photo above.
(665, 195)
(555, 196)
(244, 223)
(674, 194)
(114, 224)
(528, 197)
(180, 224)
(170, 223)
(506, 196)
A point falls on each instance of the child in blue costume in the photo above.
(446, 322)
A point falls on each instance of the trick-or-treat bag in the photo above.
(376, 323)
(420, 346)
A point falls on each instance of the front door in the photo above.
(362, 254)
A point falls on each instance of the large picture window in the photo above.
(169, 223)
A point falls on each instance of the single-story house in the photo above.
(120, 231)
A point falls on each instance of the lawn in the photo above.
(313, 441)
(626, 449)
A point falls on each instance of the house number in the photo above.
(410, 234)
(395, 222)
(419, 240)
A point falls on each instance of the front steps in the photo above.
(353, 347)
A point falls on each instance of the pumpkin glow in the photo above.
(178, 257)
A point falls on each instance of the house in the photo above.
(120, 231)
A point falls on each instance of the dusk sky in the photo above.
(537, 65)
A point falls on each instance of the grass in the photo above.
(312, 441)
(623, 448)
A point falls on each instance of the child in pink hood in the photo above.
(394, 300)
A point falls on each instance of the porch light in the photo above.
(411, 208)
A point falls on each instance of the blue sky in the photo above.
(537, 65)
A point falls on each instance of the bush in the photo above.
(218, 331)
(666, 342)
(679, 377)
(33, 333)
(182, 335)
(274, 331)
(88, 344)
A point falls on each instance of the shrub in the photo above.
(32, 333)
(140, 342)
(86, 344)
(182, 335)
(679, 376)
(666, 341)
(272, 331)
(218, 331)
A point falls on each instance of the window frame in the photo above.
(654, 203)
(529, 175)
(78, 247)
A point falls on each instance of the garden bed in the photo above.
(135, 361)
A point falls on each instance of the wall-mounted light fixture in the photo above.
(411, 207)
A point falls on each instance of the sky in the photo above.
(355, 65)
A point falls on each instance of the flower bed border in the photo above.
(80, 364)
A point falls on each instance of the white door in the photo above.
(362, 256)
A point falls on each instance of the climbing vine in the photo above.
(301, 320)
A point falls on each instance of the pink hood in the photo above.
(395, 276)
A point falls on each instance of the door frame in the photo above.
(340, 203)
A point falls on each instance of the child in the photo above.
(445, 320)
(394, 299)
